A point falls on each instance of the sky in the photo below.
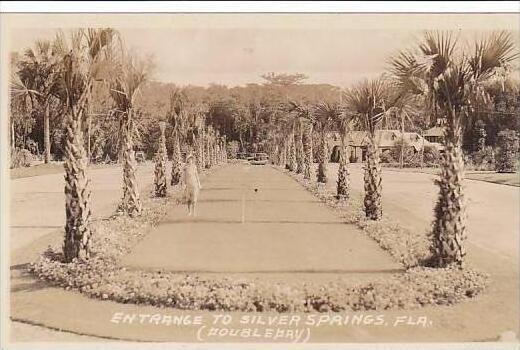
(236, 49)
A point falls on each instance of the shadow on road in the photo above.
(228, 221)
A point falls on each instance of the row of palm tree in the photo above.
(437, 78)
(88, 61)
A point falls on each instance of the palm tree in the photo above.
(368, 101)
(402, 106)
(176, 158)
(291, 144)
(344, 124)
(307, 150)
(174, 115)
(306, 123)
(22, 102)
(198, 134)
(300, 153)
(127, 78)
(38, 71)
(82, 60)
(452, 84)
(160, 164)
(324, 114)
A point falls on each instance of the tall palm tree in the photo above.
(83, 59)
(174, 115)
(305, 124)
(176, 174)
(452, 83)
(344, 124)
(291, 163)
(198, 133)
(22, 102)
(324, 114)
(127, 79)
(38, 69)
(160, 163)
(402, 106)
(300, 153)
(368, 100)
(307, 149)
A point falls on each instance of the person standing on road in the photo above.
(192, 184)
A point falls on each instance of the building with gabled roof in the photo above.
(385, 139)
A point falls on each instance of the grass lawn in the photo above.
(511, 179)
(45, 169)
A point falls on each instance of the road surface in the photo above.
(255, 219)
(409, 197)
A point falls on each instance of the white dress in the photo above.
(191, 182)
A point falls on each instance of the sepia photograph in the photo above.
(251, 177)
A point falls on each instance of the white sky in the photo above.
(235, 49)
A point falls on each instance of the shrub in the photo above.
(432, 156)
(483, 159)
(507, 157)
(232, 148)
(21, 157)
(411, 158)
(386, 157)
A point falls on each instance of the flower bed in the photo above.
(102, 277)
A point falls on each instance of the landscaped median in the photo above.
(103, 277)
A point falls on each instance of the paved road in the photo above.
(285, 230)
(34, 301)
(37, 203)
(493, 219)
(36, 220)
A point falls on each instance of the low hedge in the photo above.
(103, 277)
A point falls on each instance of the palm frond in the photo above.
(368, 100)
(491, 53)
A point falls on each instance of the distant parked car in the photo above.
(260, 159)
(250, 157)
(139, 156)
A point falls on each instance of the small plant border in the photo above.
(104, 278)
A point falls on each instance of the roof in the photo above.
(387, 139)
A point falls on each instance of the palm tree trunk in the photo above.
(308, 153)
(283, 154)
(198, 150)
(300, 157)
(224, 145)
(202, 148)
(343, 184)
(176, 159)
(46, 134)
(401, 155)
(287, 154)
(322, 161)
(214, 150)
(292, 153)
(372, 179)
(77, 192)
(449, 227)
(89, 151)
(160, 165)
(13, 136)
(131, 202)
